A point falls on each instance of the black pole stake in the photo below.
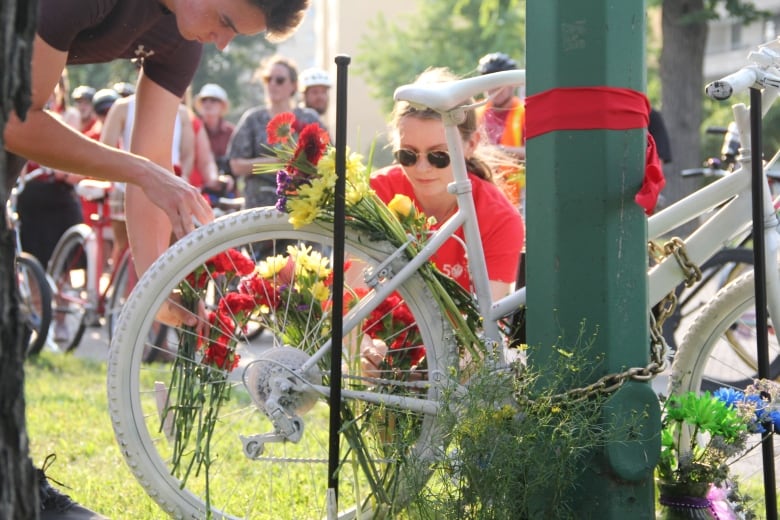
(337, 318)
(759, 259)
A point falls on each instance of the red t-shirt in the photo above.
(500, 226)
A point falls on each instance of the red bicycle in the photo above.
(85, 293)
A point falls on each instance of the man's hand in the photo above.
(181, 201)
(372, 354)
(174, 314)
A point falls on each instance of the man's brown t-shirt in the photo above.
(98, 31)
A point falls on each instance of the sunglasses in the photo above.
(278, 80)
(437, 159)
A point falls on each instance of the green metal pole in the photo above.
(586, 238)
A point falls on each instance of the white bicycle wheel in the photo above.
(719, 350)
(385, 450)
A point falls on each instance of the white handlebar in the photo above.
(735, 83)
(447, 95)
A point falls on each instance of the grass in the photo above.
(67, 414)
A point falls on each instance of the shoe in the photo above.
(56, 505)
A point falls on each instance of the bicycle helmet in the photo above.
(495, 62)
(103, 99)
(83, 92)
(124, 89)
(313, 76)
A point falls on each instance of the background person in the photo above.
(211, 105)
(502, 119)
(123, 88)
(249, 143)
(89, 124)
(315, 88)
(422, 172)
(118, 131)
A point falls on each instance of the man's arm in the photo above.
(152, 136)
(45, 139)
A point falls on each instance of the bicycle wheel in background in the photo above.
(69, 271)
(719, 350)
(725, 266)
(34, 301)
(123, 282)
(385, 452)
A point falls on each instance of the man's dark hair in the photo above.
(282, 17)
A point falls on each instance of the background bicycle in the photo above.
(88, 292)
(34, 289)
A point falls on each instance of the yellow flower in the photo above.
(271, 266)
(314, 192)
(356, 170)
(320, 291)
(401, 206)
(308, 262)
(355, 192)
(302, 212)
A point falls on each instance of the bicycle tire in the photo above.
(725, 265)
(719, 350)
(34, 301)
(69, 269)
(290, 479)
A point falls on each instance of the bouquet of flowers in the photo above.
(306, 178)
(702, 433)
(699, 433)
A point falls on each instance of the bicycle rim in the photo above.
(69, 270)
(725, 266)
(719, 350)
(385, 451)
(34, 301)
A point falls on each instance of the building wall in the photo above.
(729, 41)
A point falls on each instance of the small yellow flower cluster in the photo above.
(305, 207)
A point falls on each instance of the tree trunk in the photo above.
(18, 484)
(682, 72)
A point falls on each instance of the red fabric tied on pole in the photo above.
(598, 108)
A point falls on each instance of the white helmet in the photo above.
(313, 76)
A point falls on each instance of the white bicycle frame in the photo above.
(728, 199)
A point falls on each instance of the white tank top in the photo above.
(128, 131)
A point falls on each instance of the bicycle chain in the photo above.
(659, 350)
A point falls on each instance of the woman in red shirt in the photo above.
(423, 171)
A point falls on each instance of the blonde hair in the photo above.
(485, 158)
